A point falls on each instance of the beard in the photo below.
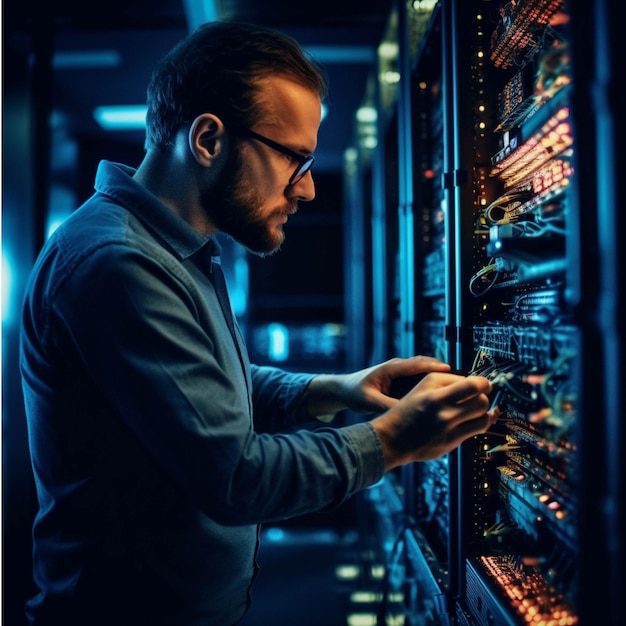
(237, 210)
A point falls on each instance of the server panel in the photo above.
(481, 225)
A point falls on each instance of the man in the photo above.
(155, 444)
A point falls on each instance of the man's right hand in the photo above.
(434, 418)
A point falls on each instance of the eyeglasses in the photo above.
(304, 162)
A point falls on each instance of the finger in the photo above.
(468, 409)
(415, 365)
(474, 386)
(469, 428)
(428, 364)
(494, 414)
(454, 388)
(404, 374)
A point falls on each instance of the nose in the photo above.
(304, 189)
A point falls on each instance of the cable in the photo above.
(491, 267)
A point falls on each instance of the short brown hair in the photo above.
(215, 69)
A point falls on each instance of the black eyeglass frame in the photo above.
(305, 162)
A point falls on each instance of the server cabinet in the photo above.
(492, 226)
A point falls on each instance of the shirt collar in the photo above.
(116, 181)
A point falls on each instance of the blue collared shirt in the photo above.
(155, 444)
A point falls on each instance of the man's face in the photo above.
(253, 198)
(242, 211)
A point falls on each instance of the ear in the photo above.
(206, 139)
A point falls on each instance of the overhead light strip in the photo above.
(121, 117)
(342, 54)
(133, 116)
(80, 59)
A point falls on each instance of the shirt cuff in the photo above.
(368, 453)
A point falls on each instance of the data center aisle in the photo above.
(308, 577)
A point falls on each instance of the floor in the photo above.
(312, 577)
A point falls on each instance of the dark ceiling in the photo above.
(102, 53)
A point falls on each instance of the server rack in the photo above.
(493, 187)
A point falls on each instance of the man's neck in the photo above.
(171, 182)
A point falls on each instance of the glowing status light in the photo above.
(279, 342)
(347, 572)
(424, 5)
(275, 534)
(362, 619)
(390, 77)
(388, 50)
(366, 114)
(369, 142)
(371, 619)
(364, 597)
